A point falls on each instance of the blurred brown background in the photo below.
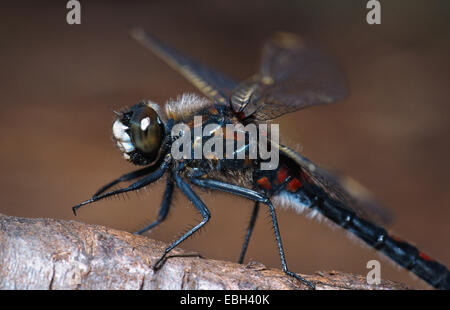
(60, 83)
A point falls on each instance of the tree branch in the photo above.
(58, 254)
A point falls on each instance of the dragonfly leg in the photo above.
(253, 221)
(126, 177)
(255, 196)
(249, 232)
(152, 177)
(165, 206)
(186, 189)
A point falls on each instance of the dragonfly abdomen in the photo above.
(401, 252)
(283, 178)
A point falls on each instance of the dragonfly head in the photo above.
(139, 133)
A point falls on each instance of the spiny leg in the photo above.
(126, 177)
(165, 206)
(186, 189)
(255, 196)
(249, 232)
(253, 221)
(135, 186)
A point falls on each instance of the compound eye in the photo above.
(146, 129)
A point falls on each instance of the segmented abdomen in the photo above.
(290, 187)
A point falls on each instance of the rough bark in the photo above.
(58, 254)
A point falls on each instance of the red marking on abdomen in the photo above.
(282, 174)
(425, 256)
(294, 185)
(264, 183)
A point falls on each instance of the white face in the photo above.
(139, 133)
(123, 139)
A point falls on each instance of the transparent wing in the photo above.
(349, 192)
(213, 84)
(292, 76)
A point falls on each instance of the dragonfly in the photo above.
(292, 75)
